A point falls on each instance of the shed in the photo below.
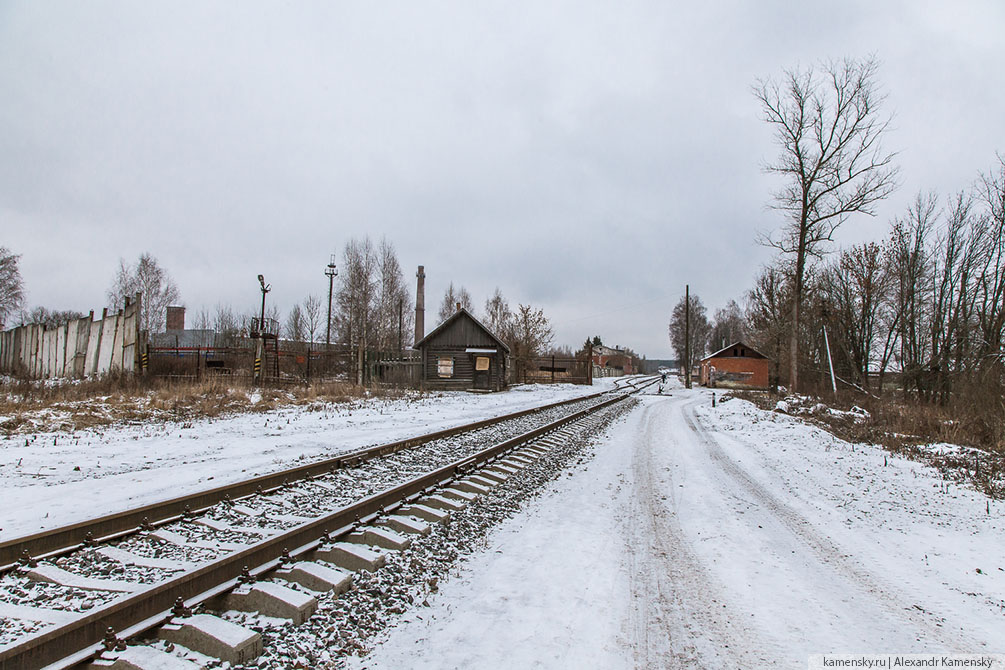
(737, 366)
(461, 354)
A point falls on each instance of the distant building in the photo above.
(462, 354)
(735, 366)
(612, 358)
(175, 335)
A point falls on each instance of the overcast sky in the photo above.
(589, 158)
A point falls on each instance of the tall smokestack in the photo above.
(420, 304)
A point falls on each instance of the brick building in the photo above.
(614, 359)
(736, 366)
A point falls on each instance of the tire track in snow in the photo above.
(826, 551)
(677, 621)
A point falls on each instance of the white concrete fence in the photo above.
(76, 349)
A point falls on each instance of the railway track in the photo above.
(115, 577)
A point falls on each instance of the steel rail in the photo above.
(71, 537)
(151, 607)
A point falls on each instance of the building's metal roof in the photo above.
(738, 343)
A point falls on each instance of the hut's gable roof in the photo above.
(459, 314)
(724, 352)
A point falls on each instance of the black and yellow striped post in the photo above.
(258, 369)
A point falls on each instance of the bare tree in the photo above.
(563, 350)
(498, 318)
(729, 327)
(11, 285)
(203, 321)
(911, 271)
(529, 337)
(854, 290)
(227, 324)
(829, 129)
(768, 310)
(450, 300)
(51, 318)
(991, 279)
(147, 277)
(312, 318)
(394, 312)
(295, 328)
(696, 332)
(357, 293)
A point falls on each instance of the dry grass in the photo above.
(908, 427)
(32, 407)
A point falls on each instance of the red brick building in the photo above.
(736, 366)
(613, 358)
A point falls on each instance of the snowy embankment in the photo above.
(53, 479)
(725, 537)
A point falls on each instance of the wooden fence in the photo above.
(286, 362)
(553, 370)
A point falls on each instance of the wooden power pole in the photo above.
(687, 336)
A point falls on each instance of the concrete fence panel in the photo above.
(79, 348)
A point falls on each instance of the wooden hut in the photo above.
(461, 354)
(736, 366)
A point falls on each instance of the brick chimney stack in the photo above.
(175, 318)
(420, 304)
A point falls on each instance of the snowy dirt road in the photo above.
(728, 537)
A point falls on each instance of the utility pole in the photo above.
(401, 323)
(260, 349)
(830, 362)
(331, 272)
(687, 336)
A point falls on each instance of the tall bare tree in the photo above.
(529, 336)
(147, 277)
(829, 129)
(729, 326)
(11, 285)
(296, 331)
(768, 310)
(451, 297)
(498, 318)
(395, 315)
(695, 331)
(911, 277)
(855, 288)
(227, 324)
(991, 278)
(357, 293)
(312, 316)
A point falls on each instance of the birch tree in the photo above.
(11, 285)
(148, 278)
(451, 297)
(689, 329)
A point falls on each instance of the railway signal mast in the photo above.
(331, 272)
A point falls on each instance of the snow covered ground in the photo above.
(53, 479)
(726, 537)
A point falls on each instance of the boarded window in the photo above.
(445, 366)
(482, 363)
